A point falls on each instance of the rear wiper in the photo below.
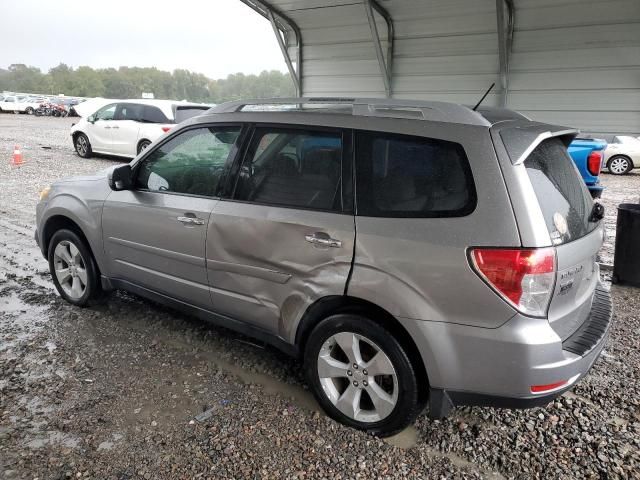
(597, 212)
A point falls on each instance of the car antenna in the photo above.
(484, 96)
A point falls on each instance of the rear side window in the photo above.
(406, 176)
(563, 197)
(292, 168)
(129, 111)
(154, 115)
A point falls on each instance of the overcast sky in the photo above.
(214, 37)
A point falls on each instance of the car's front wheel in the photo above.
(73, 268)
(82, 145)
(619, 165)
(361, 375)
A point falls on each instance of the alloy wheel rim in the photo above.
(81, 145)
(357, 377)
(619, 165)
(70, 269)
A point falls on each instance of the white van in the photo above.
(126, 127)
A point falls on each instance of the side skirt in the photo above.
(201, 313)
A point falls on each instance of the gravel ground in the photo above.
(128, 389)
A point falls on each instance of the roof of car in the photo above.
(165, 105)
(374, 107)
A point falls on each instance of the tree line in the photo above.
(130, 82)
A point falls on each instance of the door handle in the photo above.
(107, 128)
(191, 220)
(115, 127)
(323, 240)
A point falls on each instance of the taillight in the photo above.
(594, 163)
(524, 277)
(166, 129)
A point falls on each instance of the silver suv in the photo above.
(411, 253)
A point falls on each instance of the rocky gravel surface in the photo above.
(131, 390)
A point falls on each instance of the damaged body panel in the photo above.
(263, 270)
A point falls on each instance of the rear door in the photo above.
(554, 208)
(285, 236)
(154, 234)
(125, 128)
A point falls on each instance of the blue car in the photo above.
(587, 154)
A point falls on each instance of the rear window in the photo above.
(184, 113)
(406, 176)
(563, 197)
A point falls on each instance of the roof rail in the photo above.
(372, 107)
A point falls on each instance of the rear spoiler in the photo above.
(521, 140)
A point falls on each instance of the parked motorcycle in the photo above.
(43, 110)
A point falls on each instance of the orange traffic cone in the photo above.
(16, 160)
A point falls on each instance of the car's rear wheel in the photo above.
(361, 375)
(29, 111)
(143, 145)
(73, 268)
(619, 165)
(82, 145)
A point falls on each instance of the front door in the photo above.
(286, 236)
(154, 234)
(99, 131)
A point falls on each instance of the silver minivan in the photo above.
(410, 253)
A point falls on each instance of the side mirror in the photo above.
(91, 119)
(120, 178)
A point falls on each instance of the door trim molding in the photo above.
(182, 257)
(249, 270)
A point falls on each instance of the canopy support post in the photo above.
(384, 65)
(283, 28)
(505, 41)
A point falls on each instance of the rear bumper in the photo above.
(498, 367)
(595, 190)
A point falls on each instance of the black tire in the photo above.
(93, 289)
(82, 145)
(143, 145)
(407, 406)
(29, 111)
(619, 160)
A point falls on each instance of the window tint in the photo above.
(192, 162)
(106, 113)
(154, 115)
(184, 113)
(563, 197)
(128, 111)
(403, 176)
(293, 168)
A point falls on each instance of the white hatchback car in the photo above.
(126, 127)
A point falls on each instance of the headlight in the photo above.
(44, 193)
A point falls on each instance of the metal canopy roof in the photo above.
(574, 62)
